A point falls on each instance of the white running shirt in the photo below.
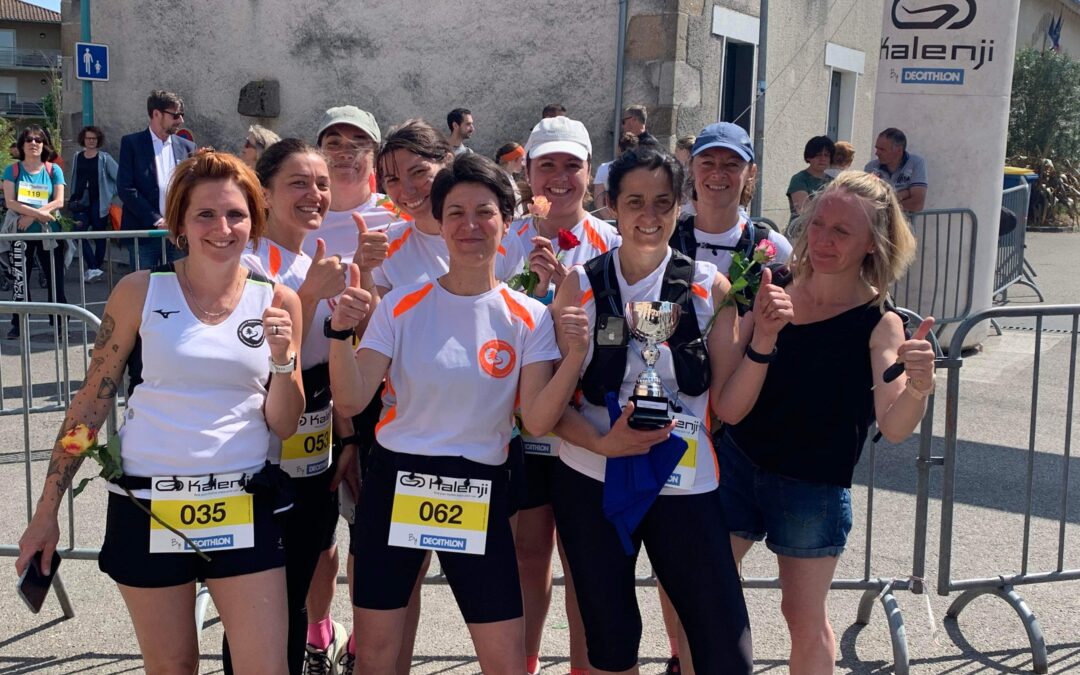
(455, 365)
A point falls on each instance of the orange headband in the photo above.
(516, 153)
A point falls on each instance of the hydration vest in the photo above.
(608, 365)
(684, 241)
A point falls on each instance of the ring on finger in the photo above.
(274, 330)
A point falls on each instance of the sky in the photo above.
(54, 5)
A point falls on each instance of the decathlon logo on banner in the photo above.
(949, 15)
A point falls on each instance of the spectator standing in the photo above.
(627, 142)
(635, 120)
(511, 159)
(93, 188)
(461, 125)
(818, 154)
(843, 156)
(34, 192)
(904, 170)
(258, 139)
(147, 161)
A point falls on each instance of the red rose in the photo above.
(567, 240)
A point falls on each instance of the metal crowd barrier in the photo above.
(940, 281)
(16, 265)
(1011, 267)
(1005, 585)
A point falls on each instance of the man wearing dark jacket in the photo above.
(147, 161)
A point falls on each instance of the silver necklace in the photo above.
(194, 299)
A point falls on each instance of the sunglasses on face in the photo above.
(175, 115)
(35, 139)
(250, 146)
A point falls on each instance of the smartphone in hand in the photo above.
(33, 585)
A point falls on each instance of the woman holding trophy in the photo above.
(457, 351)
(644, 286)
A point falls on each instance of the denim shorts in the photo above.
(796, 518)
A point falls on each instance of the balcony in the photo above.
(12, 106)
(29, 59)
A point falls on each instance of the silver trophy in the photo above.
(653, 323)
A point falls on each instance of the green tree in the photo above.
(1044, 119)
(1044, 132)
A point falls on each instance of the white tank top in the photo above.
(198, 391)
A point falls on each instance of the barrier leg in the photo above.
(897, 632)
(202, 602)
(1039, 659)
(62, 596)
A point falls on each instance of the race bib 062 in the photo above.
(437, 513)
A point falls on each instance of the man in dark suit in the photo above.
(147, 161)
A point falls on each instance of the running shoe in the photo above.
(325, 661)
(346, 663)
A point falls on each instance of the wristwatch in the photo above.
(329, 331)
(288, 367)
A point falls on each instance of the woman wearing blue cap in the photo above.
(722, 175)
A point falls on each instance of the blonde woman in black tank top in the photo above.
(806, 382)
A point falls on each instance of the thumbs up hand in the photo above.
(277, 328)
(772, 307)
(917, 355)
(353, 305)
(372, 248)
(572, 323)
(326, 276)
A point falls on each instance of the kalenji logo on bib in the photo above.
(497, 358)
(906, 14)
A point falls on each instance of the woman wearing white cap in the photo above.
(558, 165)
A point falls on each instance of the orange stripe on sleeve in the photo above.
(699, 291)
(275, 260)
(502, 250)
(518, 310)
(523, 229)
(411, 300)
(387, 418)
(586, 296)
(594, 237)
(396, 245)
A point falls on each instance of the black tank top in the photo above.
(815, 408)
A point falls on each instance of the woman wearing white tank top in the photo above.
(186, 433)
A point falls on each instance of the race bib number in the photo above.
(213, 511)
(33, 195)
(546, 446)
(307, 452)
(440, 514)
(686, 428)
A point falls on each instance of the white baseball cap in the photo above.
(559, 134)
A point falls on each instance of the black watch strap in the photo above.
(350, 440)
(329, 331)
(758, 357)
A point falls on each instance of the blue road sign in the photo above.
(91, 61)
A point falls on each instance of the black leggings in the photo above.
(23, 254)
(309, 530)
(687, 541)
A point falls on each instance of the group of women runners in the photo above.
(321, 339)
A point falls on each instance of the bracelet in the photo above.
(916, 393)
(349, 440)
(758, 357)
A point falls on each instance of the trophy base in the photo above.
(650, 412)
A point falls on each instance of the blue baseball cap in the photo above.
(724, 135)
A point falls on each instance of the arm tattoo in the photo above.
(105, 331)
(107, 389)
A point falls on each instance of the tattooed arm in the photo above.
(90, 406)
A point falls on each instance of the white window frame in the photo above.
(727, 24)
(850, 63)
